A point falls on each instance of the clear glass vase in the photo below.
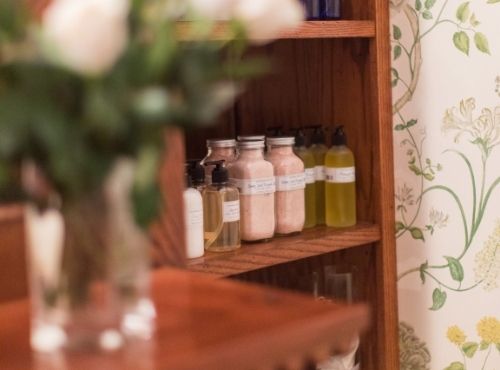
(89, 270)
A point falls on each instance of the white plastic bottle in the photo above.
(193, 221)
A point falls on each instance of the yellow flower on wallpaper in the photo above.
(489, 330)
(487, 268)
(456, 335)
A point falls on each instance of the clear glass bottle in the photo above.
(221, 204)
(319, 149)
(310, 193)
(219, 149)
(340, 183)
(193, 220)
(254, 177)
(290, 185)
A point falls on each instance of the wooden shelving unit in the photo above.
(310, 243)
(326, 73)
(308, 30)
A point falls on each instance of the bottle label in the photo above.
(291, 182)
(319, 173)
(194, 217)
(255, 186)
(231, 211)
(340, 174)
(310, 176)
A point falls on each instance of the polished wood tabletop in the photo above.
(204, 324)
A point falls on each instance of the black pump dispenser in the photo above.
(300, 138)
(196, 171)
(339, 138)
(188, 181)
(220, 175)
(318, 136)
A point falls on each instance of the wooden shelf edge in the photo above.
(307, 30)
(310, 243)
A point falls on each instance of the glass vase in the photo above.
(89, 270)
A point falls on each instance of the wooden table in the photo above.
(205, 324)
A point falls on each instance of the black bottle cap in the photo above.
(275, 130)
(318, 136)
(300, 138)
(196, 171)
(339, 137)
(220, 175)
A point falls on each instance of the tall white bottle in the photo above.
(193, 221)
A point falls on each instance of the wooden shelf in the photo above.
(312, 242)
(308, 30)
(206, 324)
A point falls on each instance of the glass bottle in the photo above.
(340, 183)
(254, 177)
(221, 204)
(319, 149)
(331, 9)
(290, 185)
(196, 173)
(219, 149)
(310, 193)
(193, 220)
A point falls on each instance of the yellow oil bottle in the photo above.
(318, 150)
(310, 192)
(340, 186)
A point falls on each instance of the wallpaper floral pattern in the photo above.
(446, 103)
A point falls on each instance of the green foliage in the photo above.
(399, 226)
(396, 32)
(461, 42)
(481, 42)
(397, 52)
(470, 348)
(438, 299)
(456, 268)
(455, 366)
(422, 269)
(463, 12)
(417, 233)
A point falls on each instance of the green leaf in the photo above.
(399, 127)
(428, 176)
(415, 169)
(481, 42)
(473, 20)
(483, 345)
(396, 32)
(429, 3)
(426, 14)
(456, 269)
(438, 299)
(470, 349)
(461, 41)
(397, 52)
(417, 233)
(423, 268)
(463, 12)
(418, 5)
(456, 366)
(410, 123)
(399, 226)
(493, 1)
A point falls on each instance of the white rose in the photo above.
(265, 19)
(87, 36)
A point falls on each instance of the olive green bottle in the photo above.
(318, 150)
(221, 216)
(340, 182)
(310, 192)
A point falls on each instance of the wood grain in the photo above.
(313, 242)
(13, 275)
(307, 30)
(209, 325)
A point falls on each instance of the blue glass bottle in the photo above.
(313, 9)
(330, 9)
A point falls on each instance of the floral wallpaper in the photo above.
(446, 104)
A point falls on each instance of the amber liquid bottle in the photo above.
(340, 194)
(318, 150)
(310, 192)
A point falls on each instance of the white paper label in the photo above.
(195, 217)
(291, 182)
(255, 186)
(231, 211)
(319, 173)
(340, 174)
(310, 176)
